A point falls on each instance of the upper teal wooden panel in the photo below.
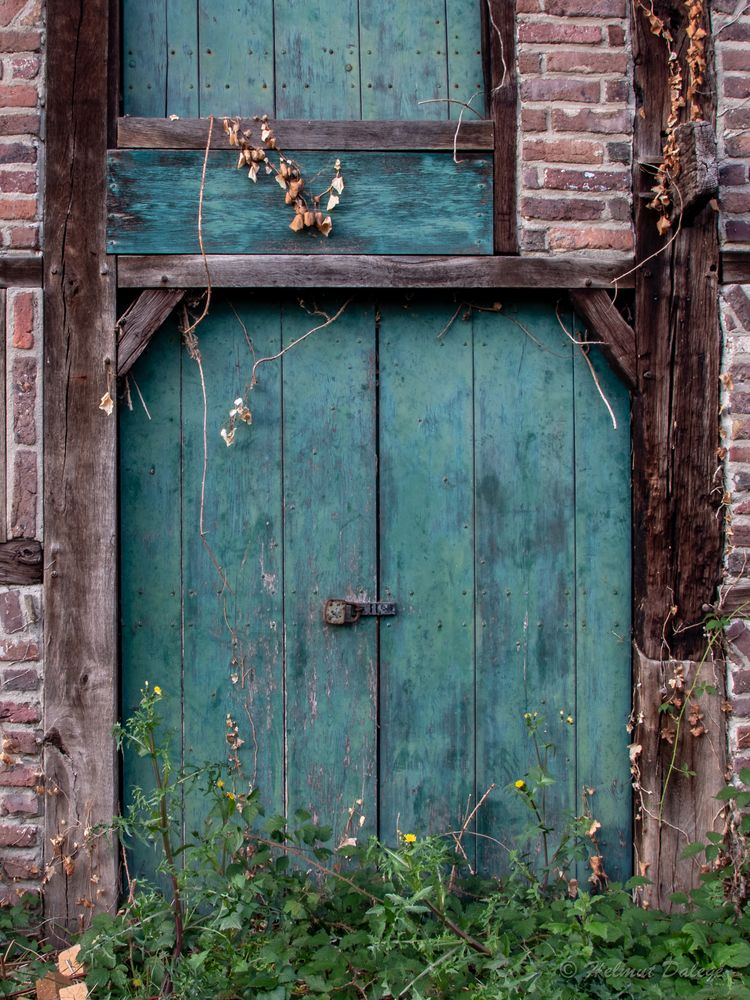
(394, 203)
(338, 59)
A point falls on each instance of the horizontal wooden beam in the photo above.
(607, 324)
(192, 133)
(735, 267)
(24, 271)
(140, 321)
(21, 562)
(358, 271)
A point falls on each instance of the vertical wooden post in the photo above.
(677, 485)
(79, 469)
(500, 26)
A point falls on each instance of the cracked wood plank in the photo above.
(141, 320)
(79, 471)
(677, 558)
(366, 271)
(690, 808)
(338, 136)
(20, 562)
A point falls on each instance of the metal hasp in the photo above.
(340, 612)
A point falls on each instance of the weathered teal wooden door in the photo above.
(466, 470)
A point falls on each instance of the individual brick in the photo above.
(24, 400)
(18, 836)
(23, 507)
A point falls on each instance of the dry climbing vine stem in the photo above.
(685, 82)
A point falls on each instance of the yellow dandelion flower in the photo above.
(220, 783)
(410, 838)
(157, 690)
(520, 784)
(231, 796)
(569, 720)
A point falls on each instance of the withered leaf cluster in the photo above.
(308, 213)
(679, 97)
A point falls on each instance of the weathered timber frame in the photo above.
(671, 358)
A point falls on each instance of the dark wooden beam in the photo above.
(607, 324)
(23, 271)
(735, 267)
(21, 562)
(192, 133)
(699, 168)
(80, 487)
(501, 29)
(676, 485)
(141, 320)
(353, 271)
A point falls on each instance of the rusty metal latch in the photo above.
(337, 611)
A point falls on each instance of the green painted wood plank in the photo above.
(426, 566)
(603, 602)
(464, 43)
(182, 96)
(330, 551)
(144, 57)
(317, 60)
(150, 584)
(233, 629)
(154, 205)
(403, 59)
(236, 57)
(525, 540)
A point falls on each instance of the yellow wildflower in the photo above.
(410, 838)
(520, 784)
(231, 796)
(220, 783)
(569, 720)
(157, 690)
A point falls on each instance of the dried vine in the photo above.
(307, 215)
(685, 82)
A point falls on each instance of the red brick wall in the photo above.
(576, 126)
(21, 783)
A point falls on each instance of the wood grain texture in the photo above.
(151, 587)
(21, 562)
(603, 541)
(182, 97)
(23, 271)
(353, 271)
(735, 266)
(525, 561)
(79, 465)
(236, 57)
(233, 621)
(699, 168)
(330, 550)
(501, 31)
(140, 322)
(427, 567)
(317, 60)
(154, 202)
(343, 136)
(144, 57)
(606, 323)
(463, 29)
(403, 59)
(690, 806)
(677, 558)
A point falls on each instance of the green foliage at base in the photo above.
(260, 909)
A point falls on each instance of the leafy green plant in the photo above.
(267, 909)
